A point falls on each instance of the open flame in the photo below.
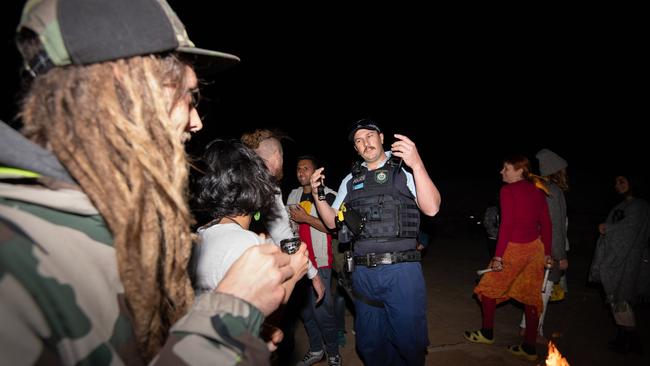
(554, 357)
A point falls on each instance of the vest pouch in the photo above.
(344, 235)
(374, 214)
(354, 221)
(382, 215)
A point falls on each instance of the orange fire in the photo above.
(554, 357)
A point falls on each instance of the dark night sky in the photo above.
(484, 85)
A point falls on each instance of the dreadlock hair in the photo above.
(109, 125)
(560, 179)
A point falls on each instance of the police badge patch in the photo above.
(381, 176)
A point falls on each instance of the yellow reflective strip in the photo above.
(15, 172)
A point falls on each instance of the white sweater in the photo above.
(219, 247)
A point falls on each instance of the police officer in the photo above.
(389, 289)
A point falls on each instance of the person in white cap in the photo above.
(553, 169)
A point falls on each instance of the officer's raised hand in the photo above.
(316, 179)
(405, 149)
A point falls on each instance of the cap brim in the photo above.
(370, 128)
(208, 61)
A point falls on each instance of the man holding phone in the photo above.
(388, 285)
(319, 319)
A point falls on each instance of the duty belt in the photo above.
(374, 259)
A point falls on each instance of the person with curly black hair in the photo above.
(96, 228)
(235, 186)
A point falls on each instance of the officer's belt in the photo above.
(374, 259)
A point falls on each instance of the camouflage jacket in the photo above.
(62, 301)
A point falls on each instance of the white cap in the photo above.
(550, 162)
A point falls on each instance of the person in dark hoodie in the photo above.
(618, 259)
(94, 224)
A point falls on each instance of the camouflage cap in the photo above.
(81, 32)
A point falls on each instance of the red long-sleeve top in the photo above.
(524, 216)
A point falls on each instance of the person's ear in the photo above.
(381, 137)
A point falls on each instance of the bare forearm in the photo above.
(317, 224)
(288, 287)
(327, 215)
(428, 196)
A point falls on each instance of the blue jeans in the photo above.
(397, 333)
(319, 319)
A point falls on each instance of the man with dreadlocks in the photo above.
(94, 224)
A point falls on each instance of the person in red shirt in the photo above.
(523, 250)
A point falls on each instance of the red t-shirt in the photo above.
(524, 216)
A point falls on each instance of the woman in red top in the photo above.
(523, 249)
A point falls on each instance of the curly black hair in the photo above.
(236, 182)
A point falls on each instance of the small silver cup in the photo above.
(290, 245)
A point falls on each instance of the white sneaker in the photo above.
(311, 358)
(334, 360)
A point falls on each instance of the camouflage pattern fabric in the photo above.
(62, 301)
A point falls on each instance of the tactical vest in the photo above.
(391, 214)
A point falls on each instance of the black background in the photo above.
(468, 85)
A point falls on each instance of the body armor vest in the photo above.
(392, 218)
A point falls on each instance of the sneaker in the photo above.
(477, 337)
(311, 358)
(518, 350)
(334, 360)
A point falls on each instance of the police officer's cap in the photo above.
(363, 124)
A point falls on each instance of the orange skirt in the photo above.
(521, 277)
